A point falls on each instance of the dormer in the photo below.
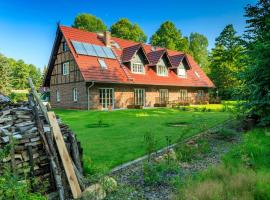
(135, 57)
(161, 61)
(180, 65)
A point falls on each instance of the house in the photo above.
(97, 71)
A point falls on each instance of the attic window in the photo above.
(162, 70)
(102, 64)
(64, 47)
(197, 74)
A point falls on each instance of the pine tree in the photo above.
(227, 61)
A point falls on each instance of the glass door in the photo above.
(163, 95)
(139, 97)
(106, 97)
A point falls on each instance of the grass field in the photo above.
(112, 138)
(244, 172)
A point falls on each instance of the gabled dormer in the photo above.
(161, 61)
(135, 57)
(180, 65)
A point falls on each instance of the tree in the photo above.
(5, 72)
(227, 61)
(168, 36)
(89, 22)
(126, 30)
(257, 75)
(198, 44)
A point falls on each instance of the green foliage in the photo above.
(186, 152)
(89, 22)
(168, 36)
(198, 44)
(225, 133)
(126, 30)
(150, 143)
(154, 172)
(243, 174)
(257, 75)
(14, 74)
(5, 73)
(227, 61)
(17, 97)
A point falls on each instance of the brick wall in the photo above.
(124, 94)
(66, 96)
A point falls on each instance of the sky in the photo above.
(28, 27)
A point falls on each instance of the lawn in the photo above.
(122, 139)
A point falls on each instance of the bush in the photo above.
(18, 97)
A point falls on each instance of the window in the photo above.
(137, 68)
(200, 93)
(139, 97)
(65, 47)
(181, 71)
(183, 95)
(162, 70)
(163, 96)
(197, 74)
(57, 96)
(65, 68)
(102, 64)
(75, 94)
(106, 97)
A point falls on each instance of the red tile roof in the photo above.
(118, 73)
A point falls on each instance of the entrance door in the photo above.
(163, 95)
(139, 97)
(106, 97)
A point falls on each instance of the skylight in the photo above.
(197, 74)
(102, 64)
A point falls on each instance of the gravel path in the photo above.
(133, 176)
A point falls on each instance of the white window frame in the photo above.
(75, 94)
(58, 97)
(181, 68)
(65, 68)
(183, 94)
(139, 96)
(162, 70)
(137, 68)
(105, 100)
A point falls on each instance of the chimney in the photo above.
(107, 38)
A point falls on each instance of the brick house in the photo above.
(96, 71)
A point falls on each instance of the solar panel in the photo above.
(89, 49)
(78, 46)
(92, 50)
(99, 51)
(108, 52)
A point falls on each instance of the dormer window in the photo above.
(181, 71)
(162, 70)
(137, 68)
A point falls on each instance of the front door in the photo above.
(106, 97)
(139, 97)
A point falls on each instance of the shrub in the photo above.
(18, 97)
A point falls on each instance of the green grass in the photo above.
(224, 106)
(243, 174)
(123, 139)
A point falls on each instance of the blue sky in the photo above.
(27, 27)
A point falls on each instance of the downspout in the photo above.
(88, 95)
